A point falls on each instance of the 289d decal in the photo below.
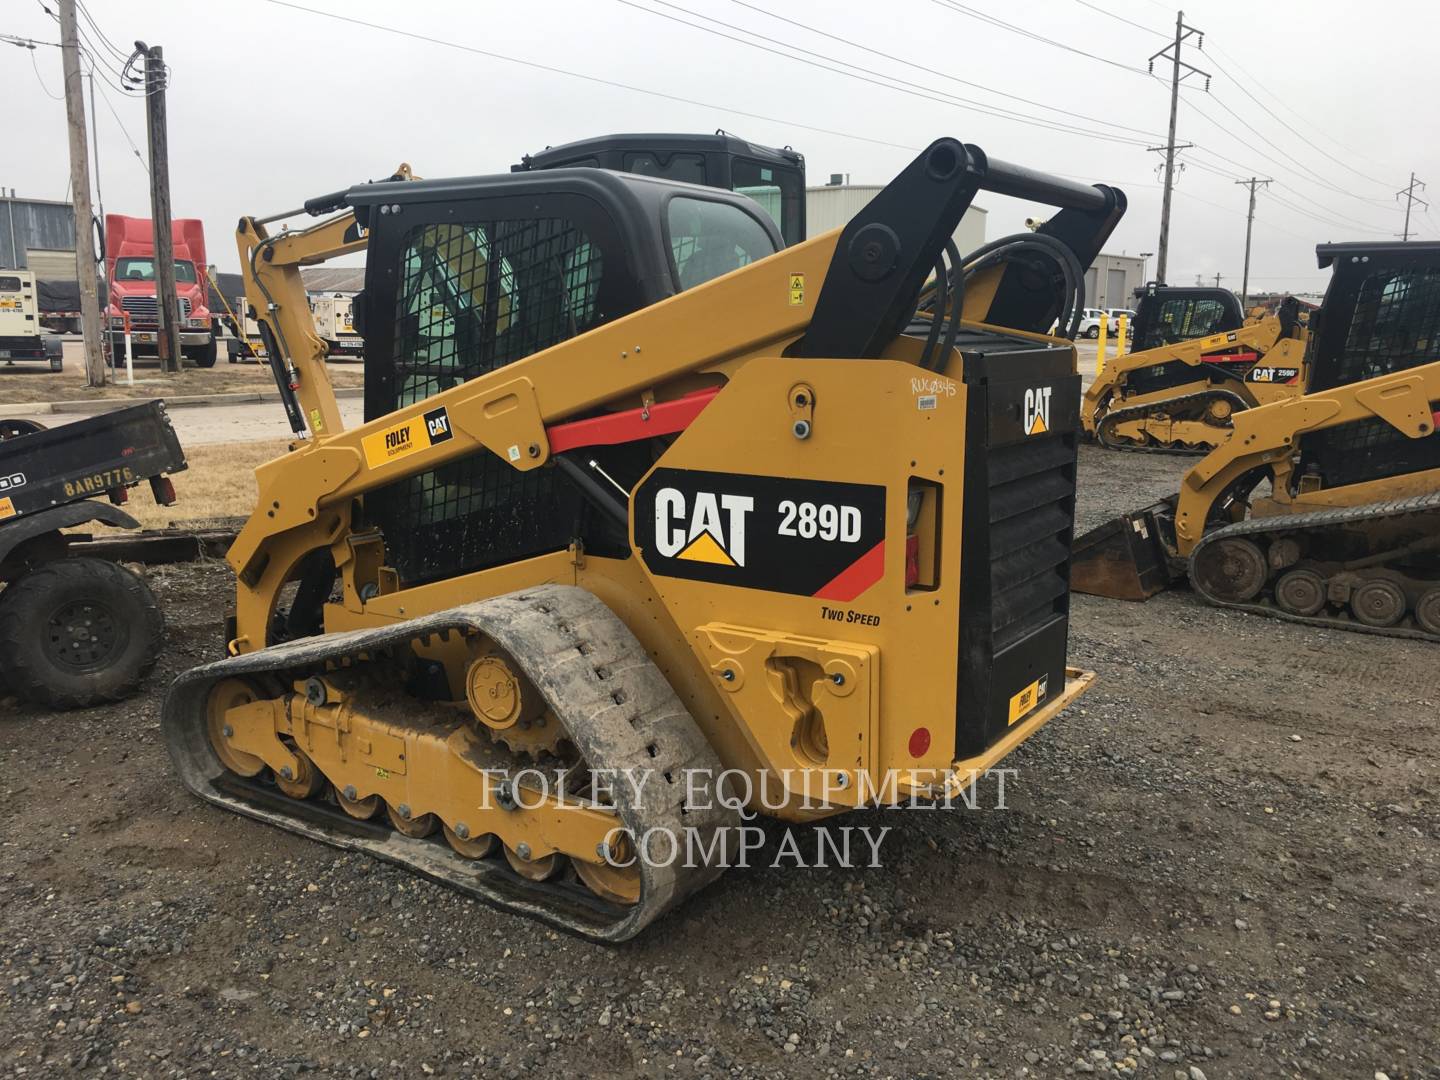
(805, 537)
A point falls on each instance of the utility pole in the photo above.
(1171, 52)
(106, 353)
(1410, 200)
(167, 338)
(1217, 281)
(1249, 225)
(80, 185)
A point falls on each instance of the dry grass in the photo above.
(220, 483)
(34, 382)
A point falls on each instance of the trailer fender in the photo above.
(60, 517)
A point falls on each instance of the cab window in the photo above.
(687, 168)
(780, 191)
(134, 268)
(709, 239)
(1396, 325)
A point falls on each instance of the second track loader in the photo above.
(1324, 509)
(651, 521)
(1195, 363)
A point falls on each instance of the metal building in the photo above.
(833, 205)
(38, 235)
(1112, 280)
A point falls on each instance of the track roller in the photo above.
(415, 826)
(1378, 602)
(359, 809)
(302, 781)
(1300, 592)
(541, 869)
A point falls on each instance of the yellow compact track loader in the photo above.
(650, 519)
(1195, 363)
(1324, 509)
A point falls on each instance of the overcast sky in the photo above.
(270, 104)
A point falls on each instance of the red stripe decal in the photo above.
(664, 418)
(1231, 358)
(857, 577)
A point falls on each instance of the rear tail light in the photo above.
(119, 496)
(163, 489)
(922, 535)
(912, 561)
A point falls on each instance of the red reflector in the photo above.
(912, 568)
(919, 742)
(119, 496)
(163, 490)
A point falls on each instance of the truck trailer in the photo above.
(20, 330)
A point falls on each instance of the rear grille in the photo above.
(1032, 499)
(1018, 520)
(145, 309)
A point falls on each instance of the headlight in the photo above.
(197, 324)
(117, 322)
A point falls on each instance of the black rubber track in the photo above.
(1320, 519)
(616, 707)
(1118, 416)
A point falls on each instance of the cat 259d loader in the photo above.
(1323, 509)
(1195, 363)
(641, 493)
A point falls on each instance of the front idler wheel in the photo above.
(1232, 570)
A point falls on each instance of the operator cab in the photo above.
(1170, 315)
(1381, 315)
(468, 275)
(773, 178)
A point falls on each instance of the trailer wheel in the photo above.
(78, 632)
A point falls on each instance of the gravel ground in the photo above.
(1223, 861)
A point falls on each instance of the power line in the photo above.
(1121, 18)
(1281, 101)
(935, 71)
(595, 79)
(962, 9)
(1220, 127)
(41, 80)
(125, 131)
(1313, 176)
(865, 75)
(114, 49)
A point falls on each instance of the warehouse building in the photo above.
(1112, 280)
(38, 235)
(833, 205)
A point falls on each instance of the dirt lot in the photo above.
(1223, 862)
(23, 383)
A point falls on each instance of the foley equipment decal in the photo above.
(407, 437)
(805, 537)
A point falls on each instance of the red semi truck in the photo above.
(130, 270)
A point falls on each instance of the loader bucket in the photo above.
(1125, 558)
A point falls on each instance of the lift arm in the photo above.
(275, 289)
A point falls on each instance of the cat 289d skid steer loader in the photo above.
(640, 494)
(1324, 509)
(1195, 363)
